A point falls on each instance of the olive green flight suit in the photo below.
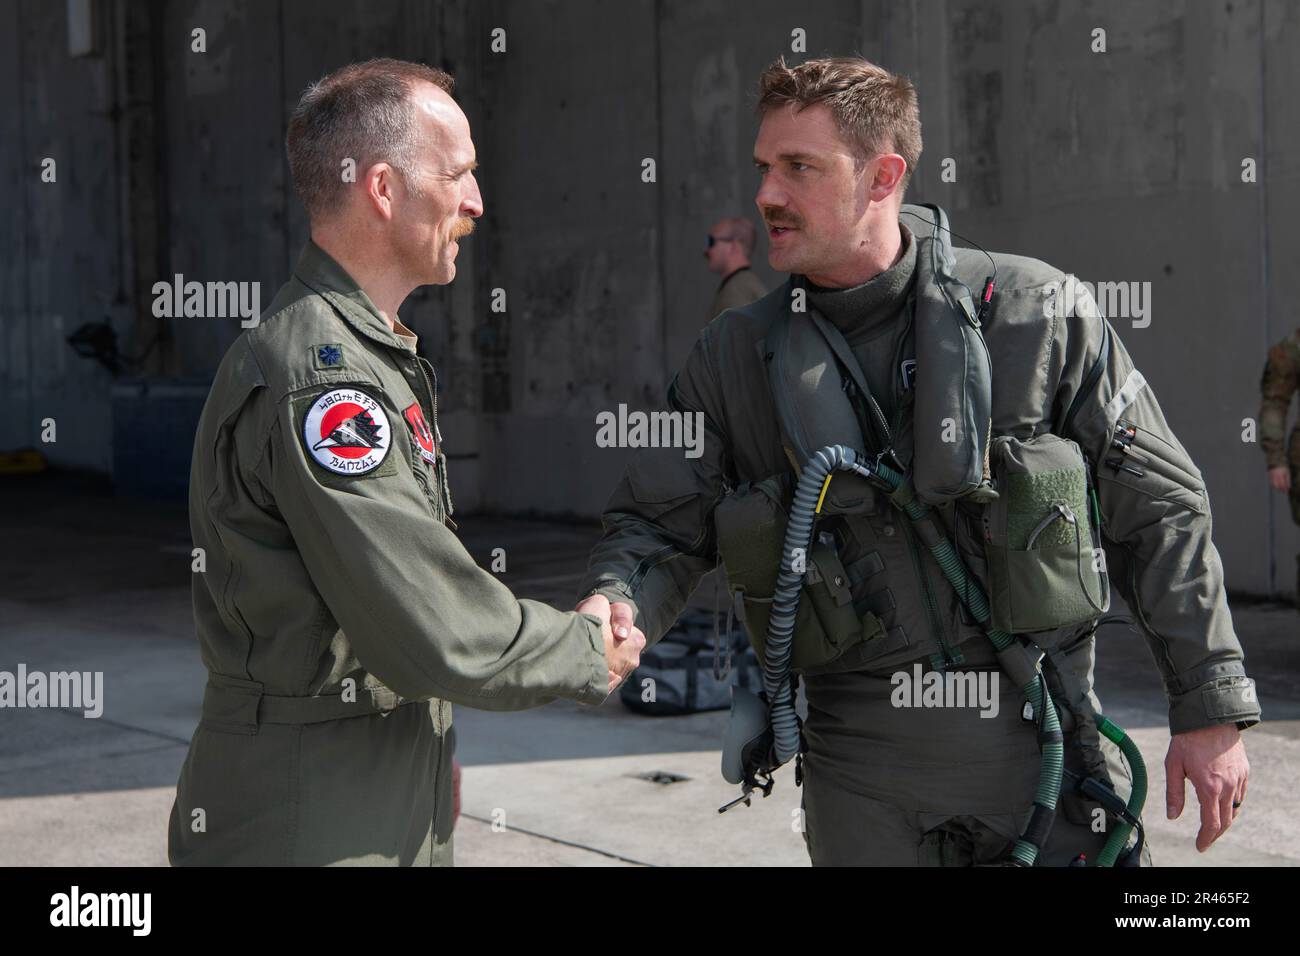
(739, 288)
(946, 786)
(339, 617)
(1279, 384)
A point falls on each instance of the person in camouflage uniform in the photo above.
(1281, 378)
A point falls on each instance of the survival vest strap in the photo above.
(812, 405)
(237, 706)
(1089, 384)
(953, 393)
(954, 372)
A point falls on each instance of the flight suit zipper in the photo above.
(648, 564)
(430, 385)
(431, 388)
(440, 466)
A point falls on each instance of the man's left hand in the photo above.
(1214, 760)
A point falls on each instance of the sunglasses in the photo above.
(714, 240)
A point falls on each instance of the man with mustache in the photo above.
(887, 782)
(339, 617)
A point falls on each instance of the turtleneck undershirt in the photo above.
(871, 318)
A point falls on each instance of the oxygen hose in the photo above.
(1013, 656)
(785, 604)
(785, 599)
(1137, 796)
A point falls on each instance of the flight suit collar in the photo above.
(731, 275)
(319, 271)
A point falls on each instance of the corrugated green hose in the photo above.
(1116, 842)
(1024, 670)
(1043, 812)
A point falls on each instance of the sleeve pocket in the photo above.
(659, 488)
(1155, 466)
(1168, 473)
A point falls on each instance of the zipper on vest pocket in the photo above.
(1056, 514)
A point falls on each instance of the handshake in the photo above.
(623, 639)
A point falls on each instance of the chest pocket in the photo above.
(443, 490)
(426, 473)
(1043, 538)
(432, 477)
(751, 525)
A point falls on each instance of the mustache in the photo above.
(781, 222)
(463, 228)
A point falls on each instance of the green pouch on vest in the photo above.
(1044, 563)
(751, 523)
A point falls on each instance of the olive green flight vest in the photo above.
(874, 597)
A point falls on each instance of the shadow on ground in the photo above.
(93, 582)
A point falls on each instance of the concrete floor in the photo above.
(91, 582)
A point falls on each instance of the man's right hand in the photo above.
(1280, 478)
(622, 654)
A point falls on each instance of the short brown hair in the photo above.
(361, 112)
(874, 110)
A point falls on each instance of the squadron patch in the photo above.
(347, 432)
(414, 416)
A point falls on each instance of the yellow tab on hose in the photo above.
(822, 497)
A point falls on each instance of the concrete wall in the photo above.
(59, 241)
(1119, 166)
(1127, 166)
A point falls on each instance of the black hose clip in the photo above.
(759, 780)
(1100, 792)
(869, 470)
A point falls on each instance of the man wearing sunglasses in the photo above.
(730, 244)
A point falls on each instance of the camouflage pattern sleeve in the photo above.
(1281, 376)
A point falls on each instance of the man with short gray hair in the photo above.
(729, 246)
(339, 616)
